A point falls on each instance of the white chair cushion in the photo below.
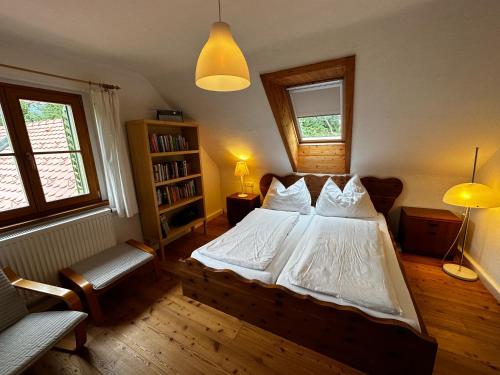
(12, 306)
(353, 202)
(295, 198)
(111, 264)
(27, 340)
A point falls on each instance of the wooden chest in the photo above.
(426, 231)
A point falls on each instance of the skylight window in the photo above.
(318, 111)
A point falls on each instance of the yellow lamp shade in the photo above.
(241, 169)
(221, 65)
(472, 195)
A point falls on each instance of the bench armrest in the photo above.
(141, 246)
(68, 296)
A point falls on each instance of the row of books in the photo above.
(174, 193)
(167, 143)
(170, 169)
(164, 226)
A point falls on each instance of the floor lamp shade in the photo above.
(221, 65)
(472, 195)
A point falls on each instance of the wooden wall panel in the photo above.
(283, 115)
(321, 158)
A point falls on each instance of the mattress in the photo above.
(271, 273)
(408, 315)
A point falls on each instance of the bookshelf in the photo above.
(168, 178)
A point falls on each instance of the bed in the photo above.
(273, 270)
(369, 341)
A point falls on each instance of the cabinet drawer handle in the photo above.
(433, 224)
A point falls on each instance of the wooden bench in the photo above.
(95, 275)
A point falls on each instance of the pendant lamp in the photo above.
(221, 65)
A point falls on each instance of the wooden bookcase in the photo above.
(143, 159)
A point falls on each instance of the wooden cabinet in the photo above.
(239, 207)
(426, 231)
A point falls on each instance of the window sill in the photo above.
(52, 217)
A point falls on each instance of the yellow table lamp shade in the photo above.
(472, 195)
(221, 65)
(241, 169)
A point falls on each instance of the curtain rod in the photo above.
(103, 85)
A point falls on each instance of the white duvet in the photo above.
(254, 241)
(345, 258)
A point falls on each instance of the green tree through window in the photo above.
(321, 126)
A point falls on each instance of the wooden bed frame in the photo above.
(345, 333)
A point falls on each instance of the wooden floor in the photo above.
(152, 329)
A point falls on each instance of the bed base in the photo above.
(344, 333)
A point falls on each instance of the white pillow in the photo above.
(354, 201)
(294, 198)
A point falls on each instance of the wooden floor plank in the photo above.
(153, 329)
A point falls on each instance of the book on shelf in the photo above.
(167, 143)
(164, 226)
(174, 193)
(170, 170)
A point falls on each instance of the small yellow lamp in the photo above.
(221, 65)
(241, 171)
(468, 195)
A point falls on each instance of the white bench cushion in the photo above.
(109, 265)
(27, 340)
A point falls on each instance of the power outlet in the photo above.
(249, 184)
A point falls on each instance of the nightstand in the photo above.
(426, 231)
(239, 207)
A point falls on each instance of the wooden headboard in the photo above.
(383, 191)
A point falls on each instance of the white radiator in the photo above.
(39, 253)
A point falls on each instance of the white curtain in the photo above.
(116, 161)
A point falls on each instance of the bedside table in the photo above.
(426, 231)
(238, 207)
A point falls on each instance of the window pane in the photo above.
(12, 193)
(321, 127)
(5, 144)
(318, 110)
(50, 126)
(62, 175)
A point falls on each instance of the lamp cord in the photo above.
(220, 18)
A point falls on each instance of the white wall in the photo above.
(426, 93)
(138, 99)
(485, 241)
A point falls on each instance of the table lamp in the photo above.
(469, 195)
(241, 171)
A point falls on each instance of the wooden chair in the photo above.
(24, 336)
(95, 275)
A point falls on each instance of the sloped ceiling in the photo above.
(427, 73)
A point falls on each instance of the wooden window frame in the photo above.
(329, 156)
(16, 126)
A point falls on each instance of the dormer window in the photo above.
(313, 109)
(318, 111)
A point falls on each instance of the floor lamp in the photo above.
(468, 195)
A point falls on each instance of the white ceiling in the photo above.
(155, 36)
(427, 72)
